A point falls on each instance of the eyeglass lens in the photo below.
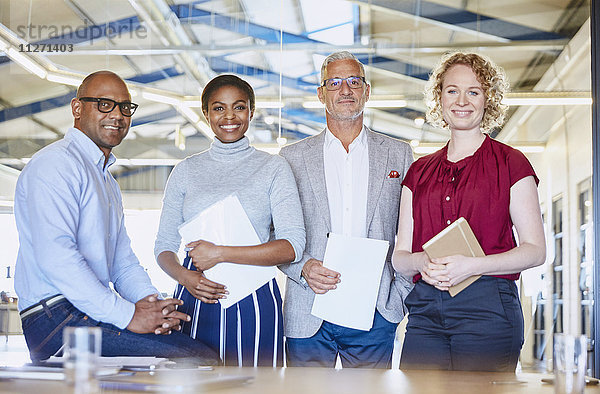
(107, 105)
(336, 83)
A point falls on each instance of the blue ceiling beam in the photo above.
(332, 27)
(60, 101)
(189, 14)
(318, 119)
(356, 21)
(156, 76)
(465, 19)
(36, 107)
(220, 66)
(298, 135)
(395, 66)
(155, 117)
(193, 15)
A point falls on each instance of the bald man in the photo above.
(75, 265)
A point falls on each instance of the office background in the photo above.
(168, 49)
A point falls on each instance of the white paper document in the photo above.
(360, 264)
(117, 361)
(226, 223)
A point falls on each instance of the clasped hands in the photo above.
(444, 272)
(153, 315)
(204, 255)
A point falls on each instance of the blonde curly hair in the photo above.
(493, 81)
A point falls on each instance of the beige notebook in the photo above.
(457, 238)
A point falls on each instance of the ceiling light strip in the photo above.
(25, 62)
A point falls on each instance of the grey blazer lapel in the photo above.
(315, 166)
(378, 158)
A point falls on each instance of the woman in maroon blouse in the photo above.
(492, 186)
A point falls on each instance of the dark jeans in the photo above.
(44, 336)
(357, 348)
(480, 329)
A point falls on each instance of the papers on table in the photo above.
(360, 263)
(226, 223)
(48, 373)
(165, 381)
(118, 361)
(30, 372)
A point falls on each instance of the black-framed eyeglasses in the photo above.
(336, 83)
(106, 105)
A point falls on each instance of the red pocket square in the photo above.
(393, 174)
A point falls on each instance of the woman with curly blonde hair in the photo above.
(492, 186)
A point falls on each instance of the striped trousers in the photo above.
(248, 333)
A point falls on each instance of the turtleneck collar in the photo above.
(231, 151)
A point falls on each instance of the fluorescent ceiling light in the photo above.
(205, 128)
(258, 104)
(531, 148)
(547, 101)
(425, 150)
(26, 63)
(161, 98)
(369, 104)
(64, 79)
(7, 203)
(307, 129)
(189, 113)
(192, 103)
(312, 104)
(386, 103)
(13, 161)
(269, 104)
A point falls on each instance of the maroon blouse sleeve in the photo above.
(410, 179)
(519, 167)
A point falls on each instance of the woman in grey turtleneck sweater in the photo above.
(250, 332)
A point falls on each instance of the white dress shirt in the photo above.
(347, 180)
(72, 235)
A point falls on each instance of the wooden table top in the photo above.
(321, 380)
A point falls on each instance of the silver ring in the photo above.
(439, 283)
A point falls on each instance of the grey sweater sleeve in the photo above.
(171, 216)
(294, 270)
(286, 210)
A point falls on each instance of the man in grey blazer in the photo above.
(349, 179)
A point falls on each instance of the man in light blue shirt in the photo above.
(74, 246)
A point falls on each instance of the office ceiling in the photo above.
(168, 49)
